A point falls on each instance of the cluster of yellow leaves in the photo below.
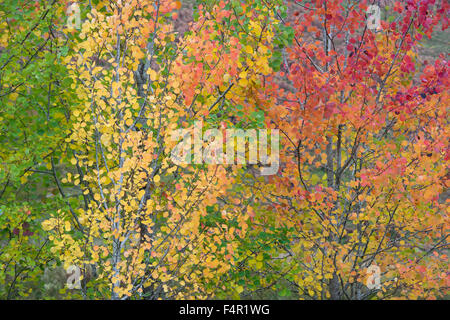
(141, 222)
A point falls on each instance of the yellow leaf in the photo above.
(243, 82)
(243, 75)
(129, 122)
(152, 73)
